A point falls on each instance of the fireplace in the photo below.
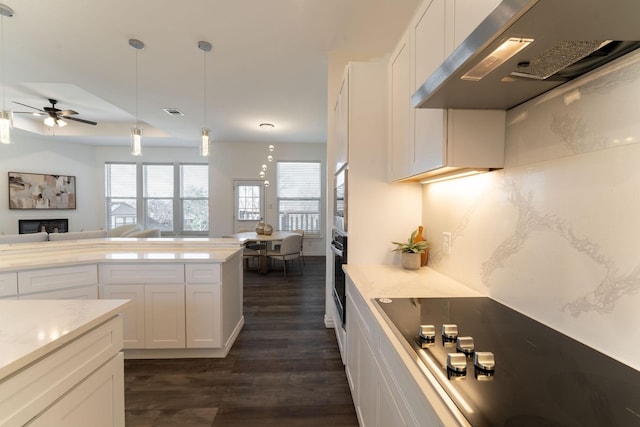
(27, 226)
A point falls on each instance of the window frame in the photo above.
(141, 201)
(279, 199)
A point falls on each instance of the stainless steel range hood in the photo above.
(567, 39)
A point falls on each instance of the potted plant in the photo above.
(413, 250)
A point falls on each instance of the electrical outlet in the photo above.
(446, 242)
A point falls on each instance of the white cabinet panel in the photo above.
(400, 110)
(164, 316)
(98, 398)
(133, 315)
(146, 272)
(42, 383)
(202, 273)
(83, 292)
(48, 279)
(203, 311)
(8, 284)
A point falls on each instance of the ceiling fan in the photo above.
(54, 115)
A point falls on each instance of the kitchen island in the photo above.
(185, 293)
(61, 363)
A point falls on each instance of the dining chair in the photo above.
(301, 232)
(289, 249)
(248, 255)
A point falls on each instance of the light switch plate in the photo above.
(446, 242)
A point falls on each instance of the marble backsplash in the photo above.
(556, 233)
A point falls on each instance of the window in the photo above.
(172, 197)
(248, 200)
(121, 194)
(298, 192)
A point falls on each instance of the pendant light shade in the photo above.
(6, 117)
(204, 135)
(204, 143)
(136, 141)
(136, 132)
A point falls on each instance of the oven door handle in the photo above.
(335, 250)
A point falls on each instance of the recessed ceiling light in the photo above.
(173, 111)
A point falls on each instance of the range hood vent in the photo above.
(559, 41)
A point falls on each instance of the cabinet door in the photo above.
(203, 311)
(341, 112)
(429, 149)
(389, 413)
(468, 15)
(164, 316)
(133, 315)
(98, 398)
(400, 137)
(8, 284)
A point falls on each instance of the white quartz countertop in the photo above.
(388, 281)
(30, 329)
(71, 252)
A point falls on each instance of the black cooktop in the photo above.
(540, 378)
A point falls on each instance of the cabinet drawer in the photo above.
(30, 391)
(202, 273)
(51, 279)
(141, 273)
(8, 284)
(83, 292)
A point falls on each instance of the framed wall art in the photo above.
(41, 191)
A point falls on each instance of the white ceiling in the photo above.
(268, 64)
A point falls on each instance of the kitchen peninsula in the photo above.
(185, 293)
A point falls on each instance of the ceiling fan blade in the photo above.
(75, 119)
(25, 105)
(65, 113)
(33, 113)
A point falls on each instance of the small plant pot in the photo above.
(411, 261)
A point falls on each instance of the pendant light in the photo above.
(136, 132)
(6, 117)
(204, 135)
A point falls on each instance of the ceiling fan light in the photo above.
(50, 121)
(136, 142)
(204, 143)
(6, 123)
(61, 123)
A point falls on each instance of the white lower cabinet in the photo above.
(187, 313)
(98, 398)
(164, 317)
(133, 315)
(203, 316)
(374, 400)
(78, 384)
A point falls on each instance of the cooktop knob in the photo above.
(450, 331)
(427, 332)
(465, 345)
(484, 360)
(457, 362)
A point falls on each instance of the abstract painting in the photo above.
(40, 191)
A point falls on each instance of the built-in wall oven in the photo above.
(340, 199)
(339, 239)
(339, 250)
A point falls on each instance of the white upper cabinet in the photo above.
(400, 110)
(341, 115)
(426, 142)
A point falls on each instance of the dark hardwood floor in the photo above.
(284, 369)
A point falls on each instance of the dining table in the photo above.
(263, 241)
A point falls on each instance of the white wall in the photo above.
(230, 161)
(50, 156)
(555, 234)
